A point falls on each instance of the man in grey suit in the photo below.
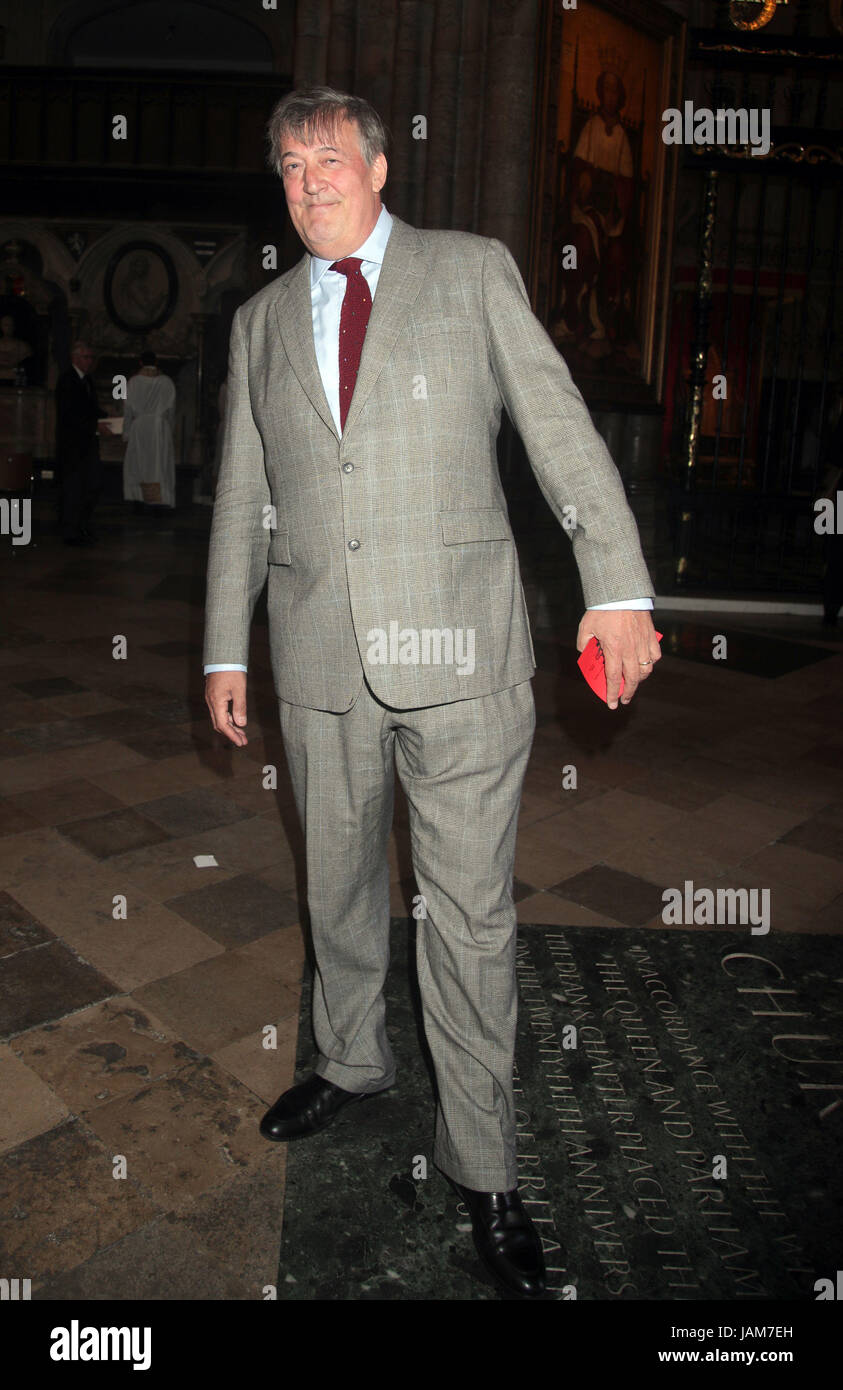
(359, 475)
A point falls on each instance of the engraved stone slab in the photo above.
(680, 1099)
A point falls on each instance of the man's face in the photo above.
(611, 93)
(84, 358)
(332, 193)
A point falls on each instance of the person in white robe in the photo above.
(149, 465)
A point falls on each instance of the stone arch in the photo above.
(48, 290)
(57, 260)
(225, 271)
(247, 39)
(176, 334)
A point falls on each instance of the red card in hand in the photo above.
(593, 667)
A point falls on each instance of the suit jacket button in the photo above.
(354, 545)
(348, 468)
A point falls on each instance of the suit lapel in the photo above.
(295, 322)
(399, 285)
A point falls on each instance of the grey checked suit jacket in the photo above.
(402, 520)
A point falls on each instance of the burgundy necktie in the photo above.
(356, 307)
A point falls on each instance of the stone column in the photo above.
(442, 116)
(313, 23)
(411, 100)
(506, 173)
(469, 66)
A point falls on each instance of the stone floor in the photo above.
(149, 1004)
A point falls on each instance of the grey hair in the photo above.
(314, 112)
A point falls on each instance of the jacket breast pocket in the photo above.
(428, 328)
(474, 524)
(279, 548)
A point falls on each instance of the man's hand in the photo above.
(630, 647)
(220, 688)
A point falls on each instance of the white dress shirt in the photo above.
(327, 290)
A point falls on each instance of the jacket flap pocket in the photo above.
(279, 548)
(477, 524)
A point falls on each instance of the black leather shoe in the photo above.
(307, 1108)
(506, 1240)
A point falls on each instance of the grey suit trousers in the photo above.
(462, 767)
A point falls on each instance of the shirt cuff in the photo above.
(625, 603)
(208, 669)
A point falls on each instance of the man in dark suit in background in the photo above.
(78, 427)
